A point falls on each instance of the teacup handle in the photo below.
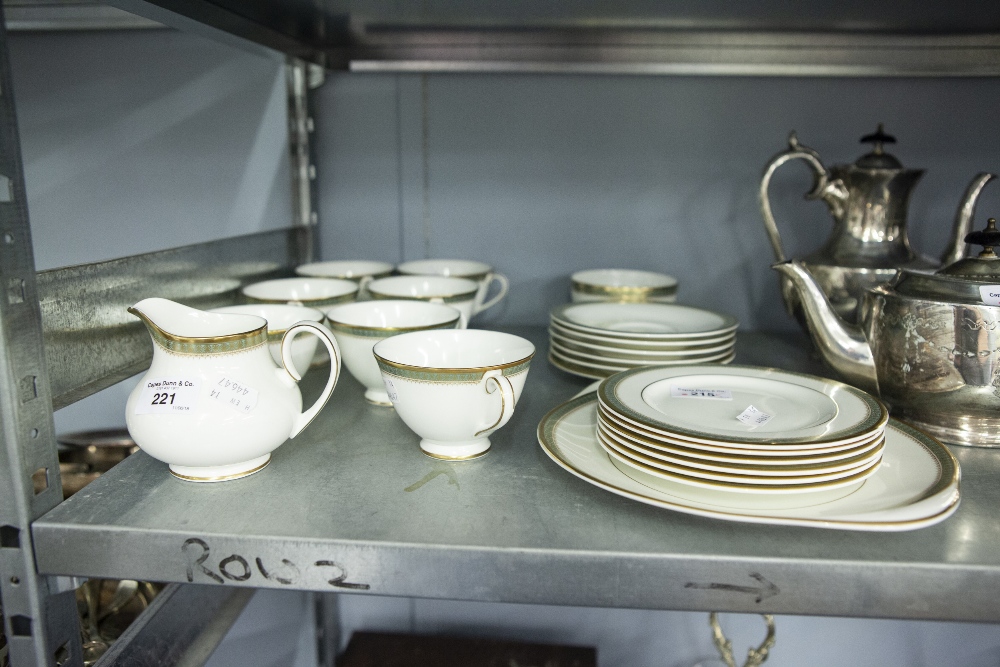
(463, 321)
(504, 286)
(321, 332)
(506, 398)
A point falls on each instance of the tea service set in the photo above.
(221, 392)
(669, 422)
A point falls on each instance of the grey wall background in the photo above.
(545, 175)
(135, 142)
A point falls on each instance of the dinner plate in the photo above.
(632, 362)
(638, 344)
(732, 481)
(764, 449)
(644, 321)
(732, 455)
(806, 411)
(917, 484)
(868, 454)
(605, 352)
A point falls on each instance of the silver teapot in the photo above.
(927, 343)
(868, 201)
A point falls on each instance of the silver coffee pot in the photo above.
(927, 343)
(868, 201)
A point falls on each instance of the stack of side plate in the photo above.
(596, 340)
(756, 437)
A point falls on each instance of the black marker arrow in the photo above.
(764, 591)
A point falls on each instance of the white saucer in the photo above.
(727, 482)
(638, 345)
(643, 321)
(806, 411)
(687, 357)
(868, 454)
(605, 352)
(917, 484)
(601, 371)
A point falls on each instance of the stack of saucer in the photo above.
(752, 437)
(596, 340)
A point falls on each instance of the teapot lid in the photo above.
(985, 267)
(878, 159)
(960, 281)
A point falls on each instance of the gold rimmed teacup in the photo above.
(359, 326)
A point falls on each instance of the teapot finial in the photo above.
(879, 137)
(988, 238)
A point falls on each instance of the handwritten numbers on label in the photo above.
(237, 568)
(234, 393)
(690, 392)
(390, 389)
(754, 417)
(990, 294)
(168, 395)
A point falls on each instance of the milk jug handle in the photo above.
(302, 420)
(796, 151)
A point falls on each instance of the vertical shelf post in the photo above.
(303, 77)
(40, 623)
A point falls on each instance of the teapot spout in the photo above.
(842, 346)
(963, 219)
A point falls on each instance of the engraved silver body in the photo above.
(868, 243)
(935, 362)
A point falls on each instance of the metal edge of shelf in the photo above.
(182, 627)
(675, 52)
(220, 24)
(953, 575)
(91, 342)
(33, 15)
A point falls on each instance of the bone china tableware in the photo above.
(213, 405)
(358, 326)
(312, 292)
(454, 388)
(868, 202)
(459, 293)
(927, 343)
(622, 285)
(916, 486)
(596, 340)
(280, 317)
(478, 272)
(703, 405)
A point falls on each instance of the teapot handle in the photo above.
(796, 151)
(321, 332)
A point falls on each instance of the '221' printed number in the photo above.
(161, 399)
(236, 568)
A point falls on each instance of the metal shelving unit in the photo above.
(352, 504)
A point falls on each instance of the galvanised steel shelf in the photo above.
(352, 505)
(851, 38)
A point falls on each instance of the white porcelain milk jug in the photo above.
(213, 404)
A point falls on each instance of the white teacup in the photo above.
(458, 293)
(360, 271)
(479, 272)
(312, 292)
(622, 285)
(454, 388)
(359, 326)
(280, 318)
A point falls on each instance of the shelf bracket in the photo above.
(40, 623)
